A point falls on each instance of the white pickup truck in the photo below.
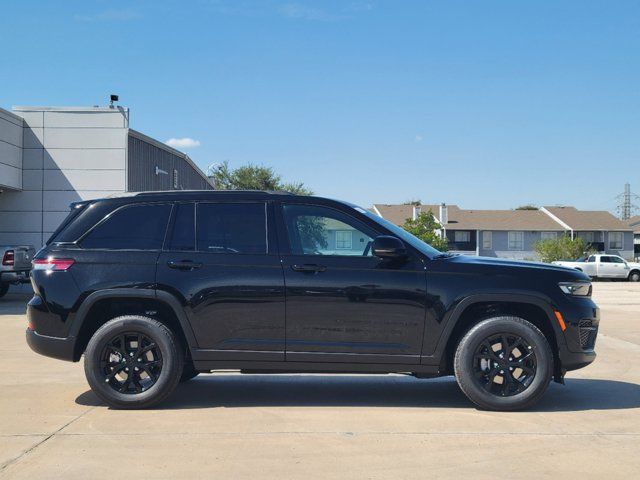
(605, 266)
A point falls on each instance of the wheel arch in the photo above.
(473, 310)
(100, 307)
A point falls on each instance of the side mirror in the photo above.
(386, 246)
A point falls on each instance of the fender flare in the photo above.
(165, 297)
(451, 320)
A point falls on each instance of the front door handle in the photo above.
(184, 265)
(309, 267)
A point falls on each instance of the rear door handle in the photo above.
(184, 265)
(309, 267)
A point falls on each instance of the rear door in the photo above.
(221, 260)
(606, 268)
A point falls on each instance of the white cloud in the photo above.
(418, 138)
(108, 16)
(184, 142)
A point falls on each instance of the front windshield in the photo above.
(402, 234)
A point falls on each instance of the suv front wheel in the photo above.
(133, 362)
(504, 363)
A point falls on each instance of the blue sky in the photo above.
(485, 104)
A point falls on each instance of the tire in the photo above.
(634, 276)
(4, 288)
(478, 378)
(109, 346)
(188, 372)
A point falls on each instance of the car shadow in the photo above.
(237, 391)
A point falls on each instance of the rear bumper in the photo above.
(60, 348)
(14, 277)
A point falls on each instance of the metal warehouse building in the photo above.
(53, 156)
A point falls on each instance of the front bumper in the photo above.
(60, 348)
(14, 278)
(575, 360)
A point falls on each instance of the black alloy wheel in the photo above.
(131, 363)
(505, 364)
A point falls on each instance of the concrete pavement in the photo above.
(317, 426)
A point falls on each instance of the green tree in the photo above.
(562, 248)
(424, 227)
(254, 177)
(258, 177)
(527, 207)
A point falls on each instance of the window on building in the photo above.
(616, 240)
(175, 179)
(462, 237)
(231, 228)
(344, 240)
(134, 227)
(315, 230)
(516, 240)
(487, 240)
(588, 237)
(548, 235)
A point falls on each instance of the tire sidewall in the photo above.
(634, 276)
(464, 364)
(162, 336)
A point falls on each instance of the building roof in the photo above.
(459, 219)
(398, 214)
(588, 220)
(633, 221)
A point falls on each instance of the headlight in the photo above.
(576, 289)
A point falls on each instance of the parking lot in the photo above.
(316, 426)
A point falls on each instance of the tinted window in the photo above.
(616, 260)
(135, 227)
(317, 230)
(605, 259)
(183, 234)
(232, 228)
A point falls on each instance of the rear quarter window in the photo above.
(133, 227)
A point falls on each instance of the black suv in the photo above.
(155, 288)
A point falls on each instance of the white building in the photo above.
(53, 156)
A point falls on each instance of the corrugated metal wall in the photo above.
(144, 157)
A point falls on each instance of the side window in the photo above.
(134, 227)
(604, 259)
(592, 259)
(315, 230)
(183, 233)
(232, 228)
(616, 260)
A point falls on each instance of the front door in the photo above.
(343, 304)
(220, 259)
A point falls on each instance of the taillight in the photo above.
(52, 264)
(9, 258)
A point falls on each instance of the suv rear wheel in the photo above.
(634, 276)
(133, 362)
(504, 363)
